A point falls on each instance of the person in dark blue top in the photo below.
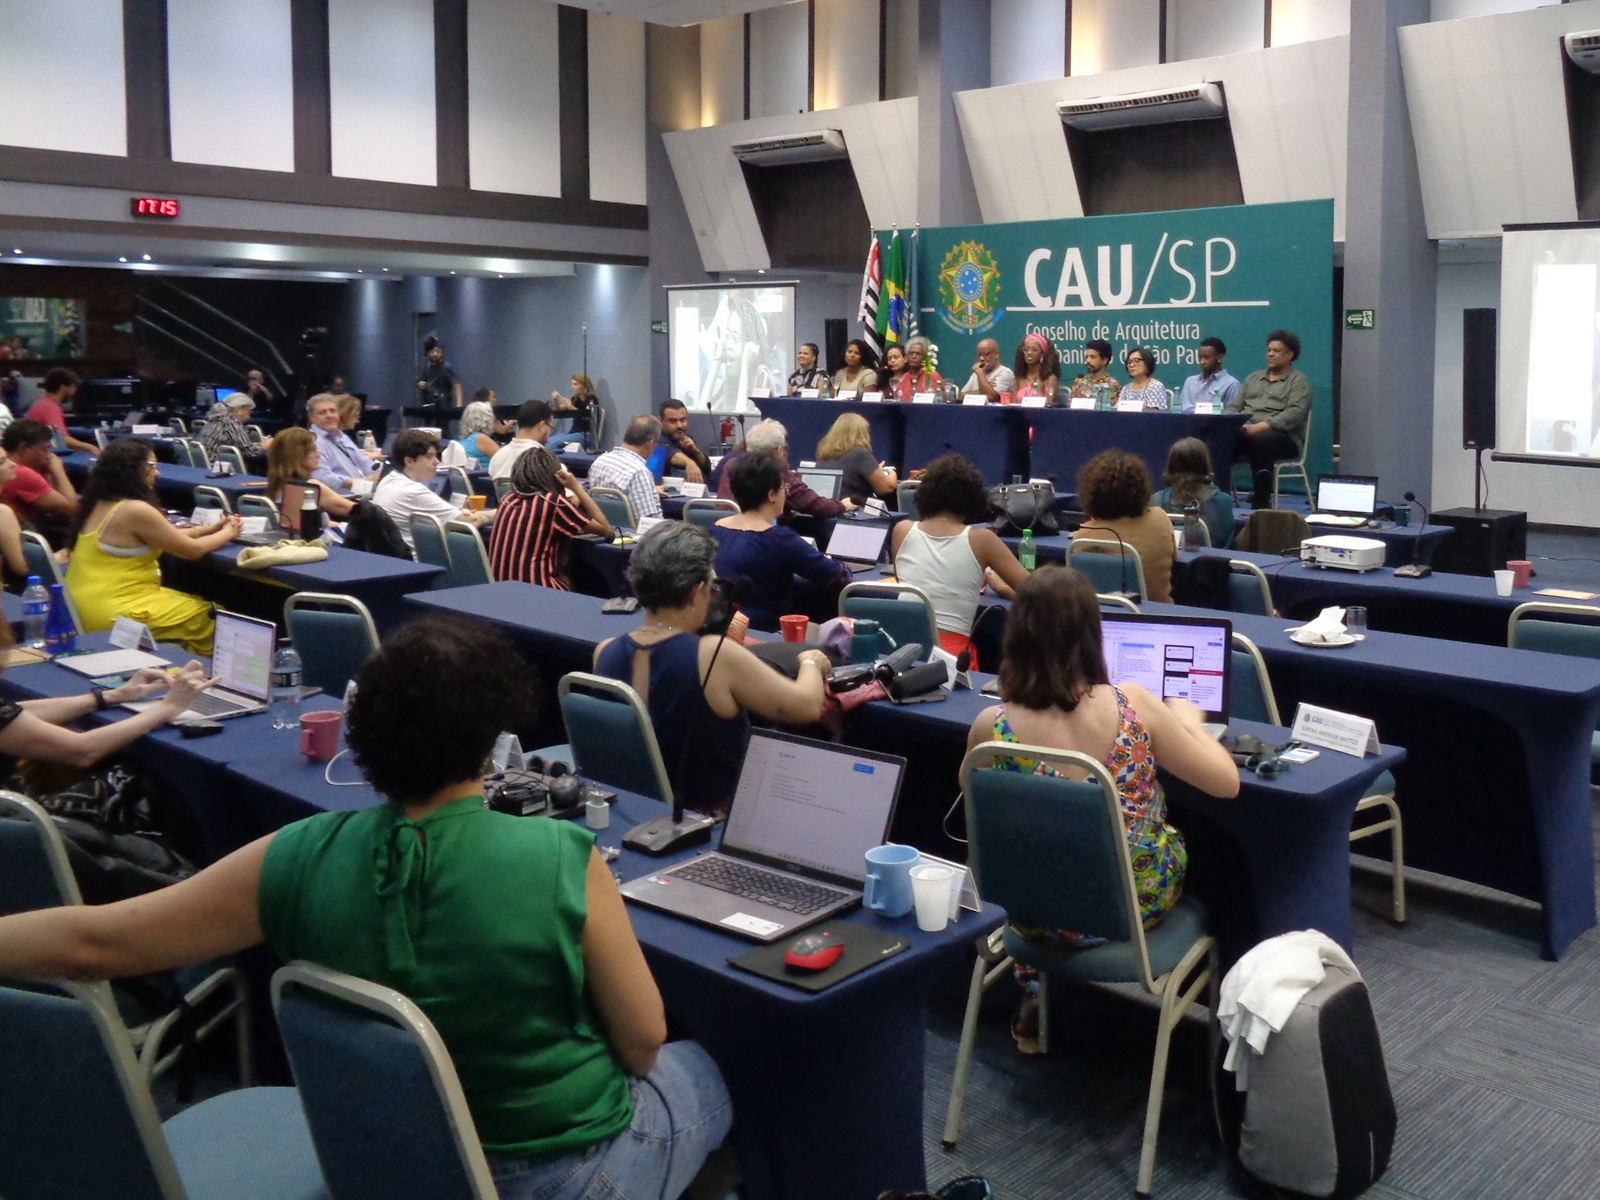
(699, 689)
(767, 557)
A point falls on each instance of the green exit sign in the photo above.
(658, 326)
(1360, 318)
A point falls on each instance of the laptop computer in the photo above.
(804, 815)
(1173, 656)
(241, 659)
(859, 547)
(824, 481)
(1345, 500)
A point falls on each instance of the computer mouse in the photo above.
(813, 952)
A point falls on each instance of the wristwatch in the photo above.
(100, 701)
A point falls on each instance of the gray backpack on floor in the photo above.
(1319, 1117)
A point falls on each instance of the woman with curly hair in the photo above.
(477, 423)
(1114, 493)
(509, 934)
(119, 533)
(580, 408)
(859, 373)
(1037, 368)
(1055, 692)
(847, 447)
(948, 557)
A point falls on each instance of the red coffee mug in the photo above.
(319, 735)
(794, 627)
(1521, 569)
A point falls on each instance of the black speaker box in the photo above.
(1483, 541)
(1477, 378)
(834, 340)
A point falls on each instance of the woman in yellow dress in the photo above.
(120, 532)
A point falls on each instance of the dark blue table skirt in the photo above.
(1462, 608)
(806, 421)
(994, 437)
(175, 484)
(1064, 439)
(1402, 543)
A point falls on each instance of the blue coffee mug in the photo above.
(888, 885)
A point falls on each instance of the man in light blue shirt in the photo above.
(1213, 383)
(340, 460)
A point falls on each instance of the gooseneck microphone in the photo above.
(1415, 569)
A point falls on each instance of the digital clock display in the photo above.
(154, 206)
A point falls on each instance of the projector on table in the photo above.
(1345, 553)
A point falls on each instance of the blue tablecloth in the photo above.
(175, 484)
(806, 421)
(994, 437)
(1402, 543)
(1064, 439)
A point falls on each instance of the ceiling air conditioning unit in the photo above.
(791, 148)
(1584, 50)
(1196, 102)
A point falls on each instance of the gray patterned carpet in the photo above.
(1493, 1054)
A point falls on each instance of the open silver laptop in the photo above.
(827, 482)
(1173, 656)
(241, 659)
(858, 546)
(1345, 500)
(803, 818)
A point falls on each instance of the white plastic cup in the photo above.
(930, 885)
(597, 814)
(1503, 581)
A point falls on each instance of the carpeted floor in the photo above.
(1493, 1054)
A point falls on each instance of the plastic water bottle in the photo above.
(824, 388)
(285, 686)
(35, 613)
(59, 632)
(1028, 551)
(368, 442)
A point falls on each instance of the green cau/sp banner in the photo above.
(1160, 280)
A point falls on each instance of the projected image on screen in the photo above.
(1550, 342)
(727, 342)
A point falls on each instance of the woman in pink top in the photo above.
(1037, 368)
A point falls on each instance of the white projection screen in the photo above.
(728, 342)
(1549, 382)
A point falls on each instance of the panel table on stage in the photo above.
(1066, 438)
(806, 420)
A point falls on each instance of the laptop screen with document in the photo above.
(1347, 495)
(824, 481)
(812, 804)
(857, 543)
(1171, 656)
(241, 654)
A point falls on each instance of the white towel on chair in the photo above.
(1262, 989)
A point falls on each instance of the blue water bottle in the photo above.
(59, 632)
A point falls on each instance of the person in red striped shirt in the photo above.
(544, 510)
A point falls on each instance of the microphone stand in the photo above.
(1415, 569)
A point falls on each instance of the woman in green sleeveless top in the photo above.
(509, 933)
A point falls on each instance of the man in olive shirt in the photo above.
(1279, 403)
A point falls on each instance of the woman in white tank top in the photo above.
(950, 560)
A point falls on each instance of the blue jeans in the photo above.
(681, 1113)
(559, 441)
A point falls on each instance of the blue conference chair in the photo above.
(209, 496)
(334, 634)
(1572, 629)
(469, 561)
(1253, 700)
(905, 498)
(234, 457)
(707, 511)
(617, 507)
(427, 536)
(902, 610)
(1248, 590)
(259, 506)
(1053, 853)
(1110, 566)
(41, 561)
(36, 872)
(79, 1119)
(612, 739)
(385, 1106)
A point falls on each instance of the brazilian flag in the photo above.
(893, 306)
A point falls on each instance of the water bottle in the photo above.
(59, 632)
(285, 686)
(1028, 551)
(310, 516)
(368, 442)
(35, 613)
(1192, 526)
(824, 388)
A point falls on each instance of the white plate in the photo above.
(1344, 639)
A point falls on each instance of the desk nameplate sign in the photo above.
(761, 393)
(252, 524)
(1205, 408)
(691, 491)
(976, 400)
(872, 397)
(1333, 730)
(1035, 401)
(646, 524)
(923, 398)
(128, 634)
(1082, 403)
(846, 394)
(1134, 405)
(808, 393)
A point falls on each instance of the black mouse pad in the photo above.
(863, 947)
